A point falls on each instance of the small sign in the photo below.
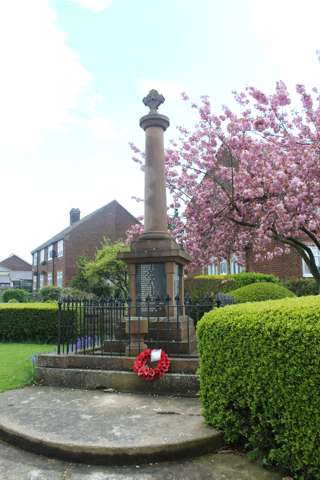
(155, 355)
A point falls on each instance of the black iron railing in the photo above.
(112, 326)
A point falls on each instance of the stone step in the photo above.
(185, 364)
(105, 428)
(182, 384)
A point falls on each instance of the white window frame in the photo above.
(34, 282)
(50, 251)
(60, 278)
(35, 259)
(41, 282)
(49, 278)
(305, 269)
(42, 255)
(222, 266)
(60, 248)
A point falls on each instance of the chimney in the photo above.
(74, 215)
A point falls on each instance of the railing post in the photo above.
(59, 327)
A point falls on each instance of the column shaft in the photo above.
(155, 210)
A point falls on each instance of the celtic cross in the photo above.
(153, 100)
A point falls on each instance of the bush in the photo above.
(258, 292)
(50, 293)
(260, 377)
(76, 293)
(241, 279)
(301, 286)
(204, 285)
(16, 293)
(23, 322)
(13, 300)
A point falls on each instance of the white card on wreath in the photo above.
(155, 355)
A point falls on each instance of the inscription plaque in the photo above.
(151, 281)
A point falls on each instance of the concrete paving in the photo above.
(16, 464)
(105, 427)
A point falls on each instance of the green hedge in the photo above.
(260, 378)
(203, 285)
(22, 322)
(50, 293)
(301, 286)
(258, 292)
(240, 279)
(15, 293)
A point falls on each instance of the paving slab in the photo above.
(16, 464)
(105, 427)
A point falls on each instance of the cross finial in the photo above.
(153, 100)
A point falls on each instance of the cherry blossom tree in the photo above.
(249, 178)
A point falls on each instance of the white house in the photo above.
(15, 272)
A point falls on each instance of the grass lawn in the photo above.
(16, 365)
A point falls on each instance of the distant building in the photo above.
(16, 273)
(289, 265)
(54, 261)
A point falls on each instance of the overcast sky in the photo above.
(73, 73)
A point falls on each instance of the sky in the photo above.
(73, 74)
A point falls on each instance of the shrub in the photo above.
(260, 377)
(50, 293)
(241, 279)
(76, 293)
(16, 293)
(13, 300)
(22, 322)
(301, 286)
(205, 285)
(258, 292)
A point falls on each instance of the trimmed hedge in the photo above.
(301, 286)
(24, 322)
(258, 292)
(204, 285)
(260, 378)
(241, 279)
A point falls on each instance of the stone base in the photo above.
(166, 333)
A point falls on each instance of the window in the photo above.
(223, 266)
(60, 248)
(49, 279)
(42, 255)
(34, 282)
(41, 280)
(213, 269)
(234, 265)
(35, 258)
(305, 270)
(50, 250)
(60, 279)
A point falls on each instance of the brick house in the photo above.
(15, 272)
(286, 266)
(54, 261)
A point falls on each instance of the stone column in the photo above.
(155, 204)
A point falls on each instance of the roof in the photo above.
(60, 236)
(16, 263)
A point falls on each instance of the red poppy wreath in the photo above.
(150, 374)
